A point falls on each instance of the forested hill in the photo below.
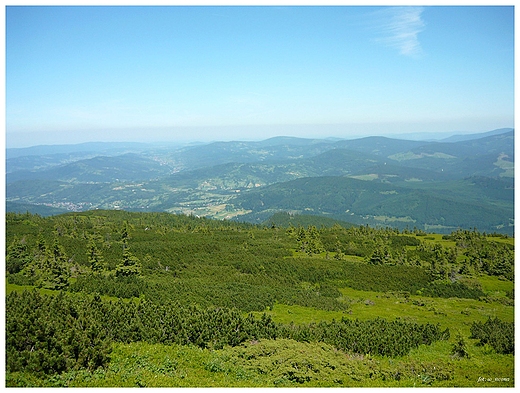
(186, 247)
(116, 298)
(444, 185)
(481, 202)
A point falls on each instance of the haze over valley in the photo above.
(464, 181)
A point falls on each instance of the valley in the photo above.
(375, 180)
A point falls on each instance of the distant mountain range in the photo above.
(468, 137)
(463, 181)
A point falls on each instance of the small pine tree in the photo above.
(53, 272)
(379, 256)
(95, 258)
(459, 348)
(124, 233)
(130, 265)
(18, 256)
(41, 243)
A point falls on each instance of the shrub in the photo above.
(452, 289)
(53, 334)
(377, 336)
(459, 348)
(500, 335)
(110, 285)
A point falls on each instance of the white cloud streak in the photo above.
(399, 28)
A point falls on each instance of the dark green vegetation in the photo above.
(455, 204)
(114, 298)
(434, 186)
(496, 333)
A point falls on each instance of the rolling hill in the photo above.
(373, 203)
(373, 180)
(99, 169)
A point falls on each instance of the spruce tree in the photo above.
(18, 256)
(95, 258)
(130, 265)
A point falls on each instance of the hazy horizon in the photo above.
(206, 73)
(423, 136)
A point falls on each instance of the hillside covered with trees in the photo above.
(114, 298)
(441, 186)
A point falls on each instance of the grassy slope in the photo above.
(279, 363)
(275, 364)
(272, 363)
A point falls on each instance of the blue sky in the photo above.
(77, 74)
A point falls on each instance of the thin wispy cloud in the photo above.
(399, 28)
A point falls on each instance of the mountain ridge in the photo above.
(465, 137)
(216, 179)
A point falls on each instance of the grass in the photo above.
(154, 365)
(507, 166)
(286, 363)
(448, 312)
(283, 313)
(432, 238)
(508, 240)
(495, 286)
(20, 288)
(484, 368)
(453, 313)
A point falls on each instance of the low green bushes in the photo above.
(377, 336)
(452, 289)
(53, 334)
(498, 334)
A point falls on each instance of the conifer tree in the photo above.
(53, 272)
(130, 265)
(40, 243)
(95, 258)
(124, 233)
(18, 256)
(459, 348)
(380, 255)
